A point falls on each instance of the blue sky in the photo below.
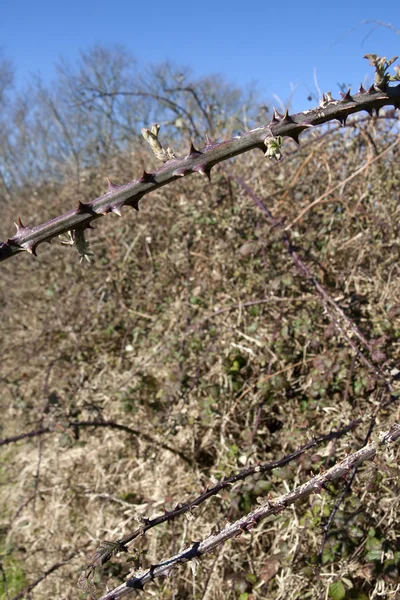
(276, 44)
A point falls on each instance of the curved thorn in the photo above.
(19, 225)
(347, 97)
(286, 117)
(295, 137)
(116, 210)
(104, 211)
(84, 208)
(203, 171)
(181, 172)
(12, 242)
(31, 250)
(134, 203)
(111, 186)
(146, 177)
(193, 151)
(276, 116)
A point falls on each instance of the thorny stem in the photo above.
(102, 555)
(269, 508)
(80, 218)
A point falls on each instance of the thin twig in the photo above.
(111, 424)
(342, 183)
(326, 297)
(25, 592)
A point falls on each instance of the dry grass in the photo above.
(156, 335)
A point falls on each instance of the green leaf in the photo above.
(373, 544)
(327, 556)
(337, 591)
(374, 555)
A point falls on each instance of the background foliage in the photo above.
(193, 328)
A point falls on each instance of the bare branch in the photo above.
(76, 424)
(24, 593)
(246, 523)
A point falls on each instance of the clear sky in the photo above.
(277, 44)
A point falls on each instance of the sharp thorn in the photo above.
(361, 89)
(139, 586)
(151, 572)
(104, 211)
(203, 171)
(116, 210)
(134, 203)
(12, 242)
(146, 177)
(193, 151)
(208, 140)
(295, 137)
(181, 172)
(286, 117)
(347, 97)
(371, 89)
(84, 208)
(19, 225)
(31, 250)
(111, 186)
(276, 116)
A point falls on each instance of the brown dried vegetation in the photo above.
(194, 328)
